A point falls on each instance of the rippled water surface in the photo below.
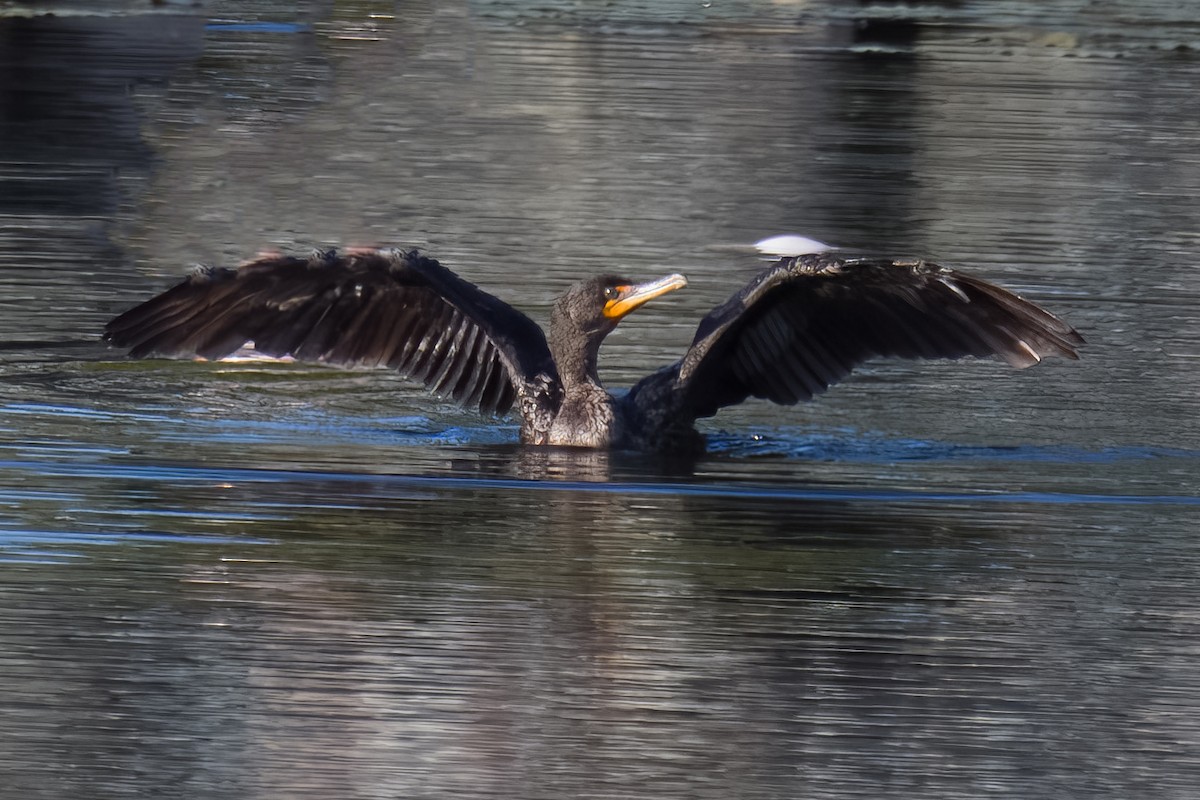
(940, 580)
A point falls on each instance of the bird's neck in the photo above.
(576, 354)
(587, 416)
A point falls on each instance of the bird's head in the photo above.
(596, 305)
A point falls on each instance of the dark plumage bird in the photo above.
(800, 326)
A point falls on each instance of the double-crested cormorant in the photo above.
(800, 326)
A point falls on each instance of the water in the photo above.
(940, 580)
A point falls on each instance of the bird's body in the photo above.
(797, 328)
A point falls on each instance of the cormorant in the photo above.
(798, 327)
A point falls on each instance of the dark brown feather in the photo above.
(803, 324)
(362, 308)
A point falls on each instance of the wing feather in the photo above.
(804, 324)
(362, 308)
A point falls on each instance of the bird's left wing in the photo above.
(804, 323)
(371, 308)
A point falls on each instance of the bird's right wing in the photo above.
(361, 308)
(804, 323)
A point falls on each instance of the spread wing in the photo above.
(362, 308)
(804, 323)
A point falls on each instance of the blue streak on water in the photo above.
(853, 446)
(28, 536)
(14, 497)
(256, 27)
(35, 559)
(844, 445)
(79, 412)
(208, 475)
(209, 514)
(28, 546)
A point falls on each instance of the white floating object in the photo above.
(791, 244)
(247, 353)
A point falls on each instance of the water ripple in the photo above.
(193, 475)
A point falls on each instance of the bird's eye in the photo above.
(611, 293)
